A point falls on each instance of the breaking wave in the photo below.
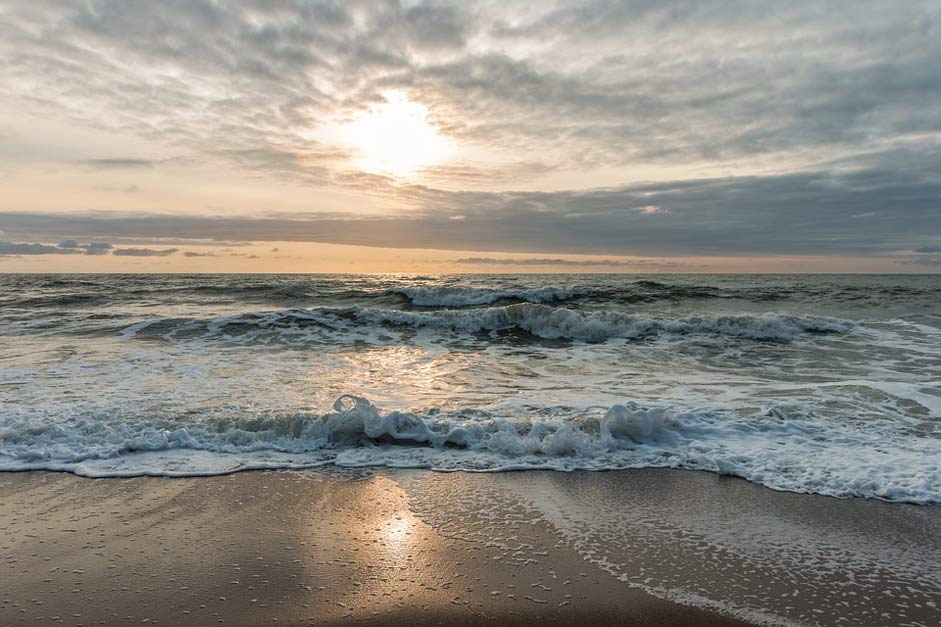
(540, 321)
(780, 448)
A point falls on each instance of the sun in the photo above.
(395, 138)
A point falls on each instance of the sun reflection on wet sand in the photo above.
(397, 532)
(383, 550)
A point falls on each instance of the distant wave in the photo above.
(784, 450)
(443, 296)
(305, 291)
(541, 321)
(651, 291)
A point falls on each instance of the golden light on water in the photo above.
(395, 138)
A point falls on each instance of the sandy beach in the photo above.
(259, 548)
(353, 547)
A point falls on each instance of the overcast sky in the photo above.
(643, 135)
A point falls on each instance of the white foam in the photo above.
(558, 322)
(805, 454)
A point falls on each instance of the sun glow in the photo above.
(396, 138)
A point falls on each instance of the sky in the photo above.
(634, 136)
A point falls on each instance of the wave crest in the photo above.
(800, 454)
(446, 296)
(544, 322)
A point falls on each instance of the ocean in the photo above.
(817, 384)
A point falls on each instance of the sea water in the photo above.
(819, 384)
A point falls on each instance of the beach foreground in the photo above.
(411, 547)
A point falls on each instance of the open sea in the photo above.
(819, 384)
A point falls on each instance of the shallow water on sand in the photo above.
(710, 541)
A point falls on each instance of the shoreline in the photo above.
(387, 547)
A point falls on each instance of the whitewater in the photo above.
(816, 384)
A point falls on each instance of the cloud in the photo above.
(600, 83)
(97, 248)
(144, 252)
(813, 212)
(118, 163)
(214, 254)
(650, 210)
(12, 248)
(795, 130)
(125, 189)
(67, 247)
(561, 262)
(922, 261)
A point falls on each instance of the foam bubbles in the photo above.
(799, 454)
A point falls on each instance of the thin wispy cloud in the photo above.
(144, 252)
(541, 261)
(118, 163)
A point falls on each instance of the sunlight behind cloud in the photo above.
(396, 138)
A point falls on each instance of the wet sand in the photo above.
(339, 547)
(265, 548)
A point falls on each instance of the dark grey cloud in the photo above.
(144, 252)
(13, 248)
(95, 248)
(67, 247)
(638, 81)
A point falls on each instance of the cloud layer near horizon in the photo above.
(72, 247)
(873, 211)
(760, 128)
